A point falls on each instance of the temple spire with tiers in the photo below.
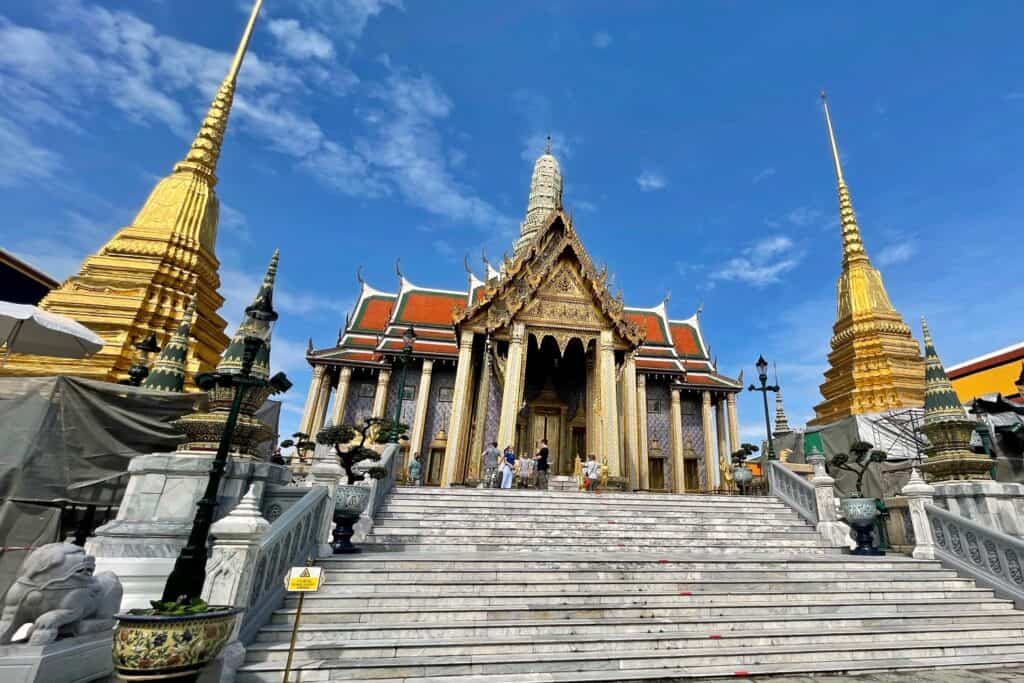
(875, 364)
(545, 196)
(141, 281)
(168, 372)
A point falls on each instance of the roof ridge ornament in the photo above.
(398, 270)
(359, 276)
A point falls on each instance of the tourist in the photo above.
(525, 468)
(491, 457)
(542, 464)
(590, 472)
(508, 462)
(415, 470)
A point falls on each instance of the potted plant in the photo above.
(350, 500)
(171, 640)
(858, 511)
(741, 474)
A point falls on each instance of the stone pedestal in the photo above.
(996, 505)
(70, 660)
(156, 513)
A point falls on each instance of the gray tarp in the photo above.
(67, 439)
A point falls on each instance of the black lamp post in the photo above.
(140, 369)
(189, 573)
(408, 338)
(762, 375)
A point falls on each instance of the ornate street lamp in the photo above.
(140, 369)
(762, 375)
(189, 573)
(407, 341)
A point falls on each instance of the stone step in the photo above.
(939, 616)
(625, 599)
(443, 545)
(582, 504)
(307, 650)
(694, 606)
(434, 521)
(589, 530)
(366, 584)
(613, 496)
(739, 657)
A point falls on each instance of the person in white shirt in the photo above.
(590, 472)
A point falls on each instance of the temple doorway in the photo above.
(554, 390)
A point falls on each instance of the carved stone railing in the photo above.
(293, 537)
(794, 490)
(379, 490)
(990, 557)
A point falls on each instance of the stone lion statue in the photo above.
(56, 595)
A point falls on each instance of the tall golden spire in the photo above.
(853, 246)
(205, 150)
(141, 281)
(875, 364)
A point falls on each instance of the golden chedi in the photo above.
(875, 364)
(141, 281)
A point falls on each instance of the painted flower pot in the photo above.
(349, 503)
(860, 514)
(149, 647)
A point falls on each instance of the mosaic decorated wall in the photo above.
(412, 386)
(693, 431)
(658, 422)
(360, 398)
(439, 407)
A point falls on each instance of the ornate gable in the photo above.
(552, 283)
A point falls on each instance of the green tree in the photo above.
(860, 458)
(340, 435)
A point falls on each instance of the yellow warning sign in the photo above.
(304, 579)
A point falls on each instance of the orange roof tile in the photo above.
(429, 308)
(651, 364)
(651, 323)
(684, 338)
(373, 314)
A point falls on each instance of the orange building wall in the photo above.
(999, 378)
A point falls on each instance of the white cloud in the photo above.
(762, 263)
(21, 160)
(897, 253)
(584, 205)
(601, 39)
(298, 42)
(346, 18)
(651, 180)
(802, 216)
(764, 174)
(535, 143)
(238, 289)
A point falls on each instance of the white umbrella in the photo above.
(28, 329)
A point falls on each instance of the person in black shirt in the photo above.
(542, 464)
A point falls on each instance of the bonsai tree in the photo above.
(302, 445)
(740, 455)
(861, 456)
(337, 436)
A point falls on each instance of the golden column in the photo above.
(593, 407)
(641, 399)
(723, 447)
(312, 398)
(609, 404)
(734, 425)
(380, 395)
(875, 364)
(511, 392)
(480, 413)
(457, 425)
(142, 279)
(710, 466)
(419, 422)
(341, 394)
(678, 470)
(629, 420)
(323, 400)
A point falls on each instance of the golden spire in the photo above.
(853, 246)
(205, 150)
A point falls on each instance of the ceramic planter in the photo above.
(860, 514)
(349, 503)
(149, 647)
(742, 476)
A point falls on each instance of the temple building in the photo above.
(538, 348)
(142, 280)
(998, 372)
(875, 364)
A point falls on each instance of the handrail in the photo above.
(292, 538)
(379, 490)
(793, 490)
(990, 557)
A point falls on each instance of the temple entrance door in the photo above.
(579, 447)
(547, 424)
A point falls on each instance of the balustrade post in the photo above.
(829, 527)
(919, 494)
(229, 574)
(326, 471)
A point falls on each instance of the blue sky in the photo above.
(690, 136)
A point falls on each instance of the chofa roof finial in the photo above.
(398, 268)
(359, 275)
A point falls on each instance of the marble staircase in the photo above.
(523, 586)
